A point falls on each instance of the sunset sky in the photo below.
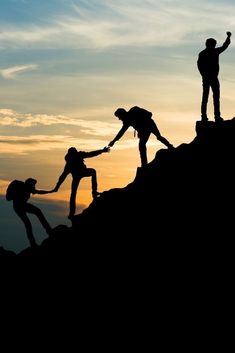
(67, 65)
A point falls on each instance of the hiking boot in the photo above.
(95, 194)
(218, 119)
(70, 216)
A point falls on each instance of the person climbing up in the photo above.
(208, 66)
(141, 120)
(19, 192)
(76, 167)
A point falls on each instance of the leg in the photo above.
(74, 188)
(92, 172)
(215, 86)
(205, 95)
(23, 216)
(37, 212)
(143, 139)
(163, 140)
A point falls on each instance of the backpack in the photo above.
(139, 117)
(14, 188)
(140, 113)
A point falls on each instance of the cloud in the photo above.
(18, 145)
(9, 117)
(11, 72)
(143, 23)
(104, 24)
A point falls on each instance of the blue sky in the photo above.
(66, 66)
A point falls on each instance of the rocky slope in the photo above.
(178, 210)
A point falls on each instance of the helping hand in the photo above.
(111, 144)
(106, 149)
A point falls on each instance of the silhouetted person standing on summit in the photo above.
(141, 120)
(76, 166)
(19, 192)
(208, 65)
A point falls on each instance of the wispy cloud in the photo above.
(25, 145)
(13, 71)
(9, 117)
(15, 145)
(103, 24)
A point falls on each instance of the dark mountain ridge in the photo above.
(178, 210)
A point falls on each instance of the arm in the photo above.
(42, 192)
(199, 65)
(94, 153)
(119, 135)
(225, 44)
(61, 178)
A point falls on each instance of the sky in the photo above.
(67, 65)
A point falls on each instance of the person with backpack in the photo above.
(141, 120)
(208, 66)
(76, 167)
(19, 192)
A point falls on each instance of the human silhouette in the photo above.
(76, 167)
(141, 120)
(19, 192)
(208, 66)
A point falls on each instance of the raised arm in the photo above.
(226, 43)
(119, 135)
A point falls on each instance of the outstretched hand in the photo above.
(111, 144)
(106, 149)
(229, 34)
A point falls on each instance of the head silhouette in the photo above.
(72, 151)
(120, 113)
(30, 183)
(211, 43)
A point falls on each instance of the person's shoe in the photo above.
(96, 194)
(218, 119)
(70, 216)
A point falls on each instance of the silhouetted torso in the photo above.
(138, 118)
(75, 163)
(208, 60)
(23, 194)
